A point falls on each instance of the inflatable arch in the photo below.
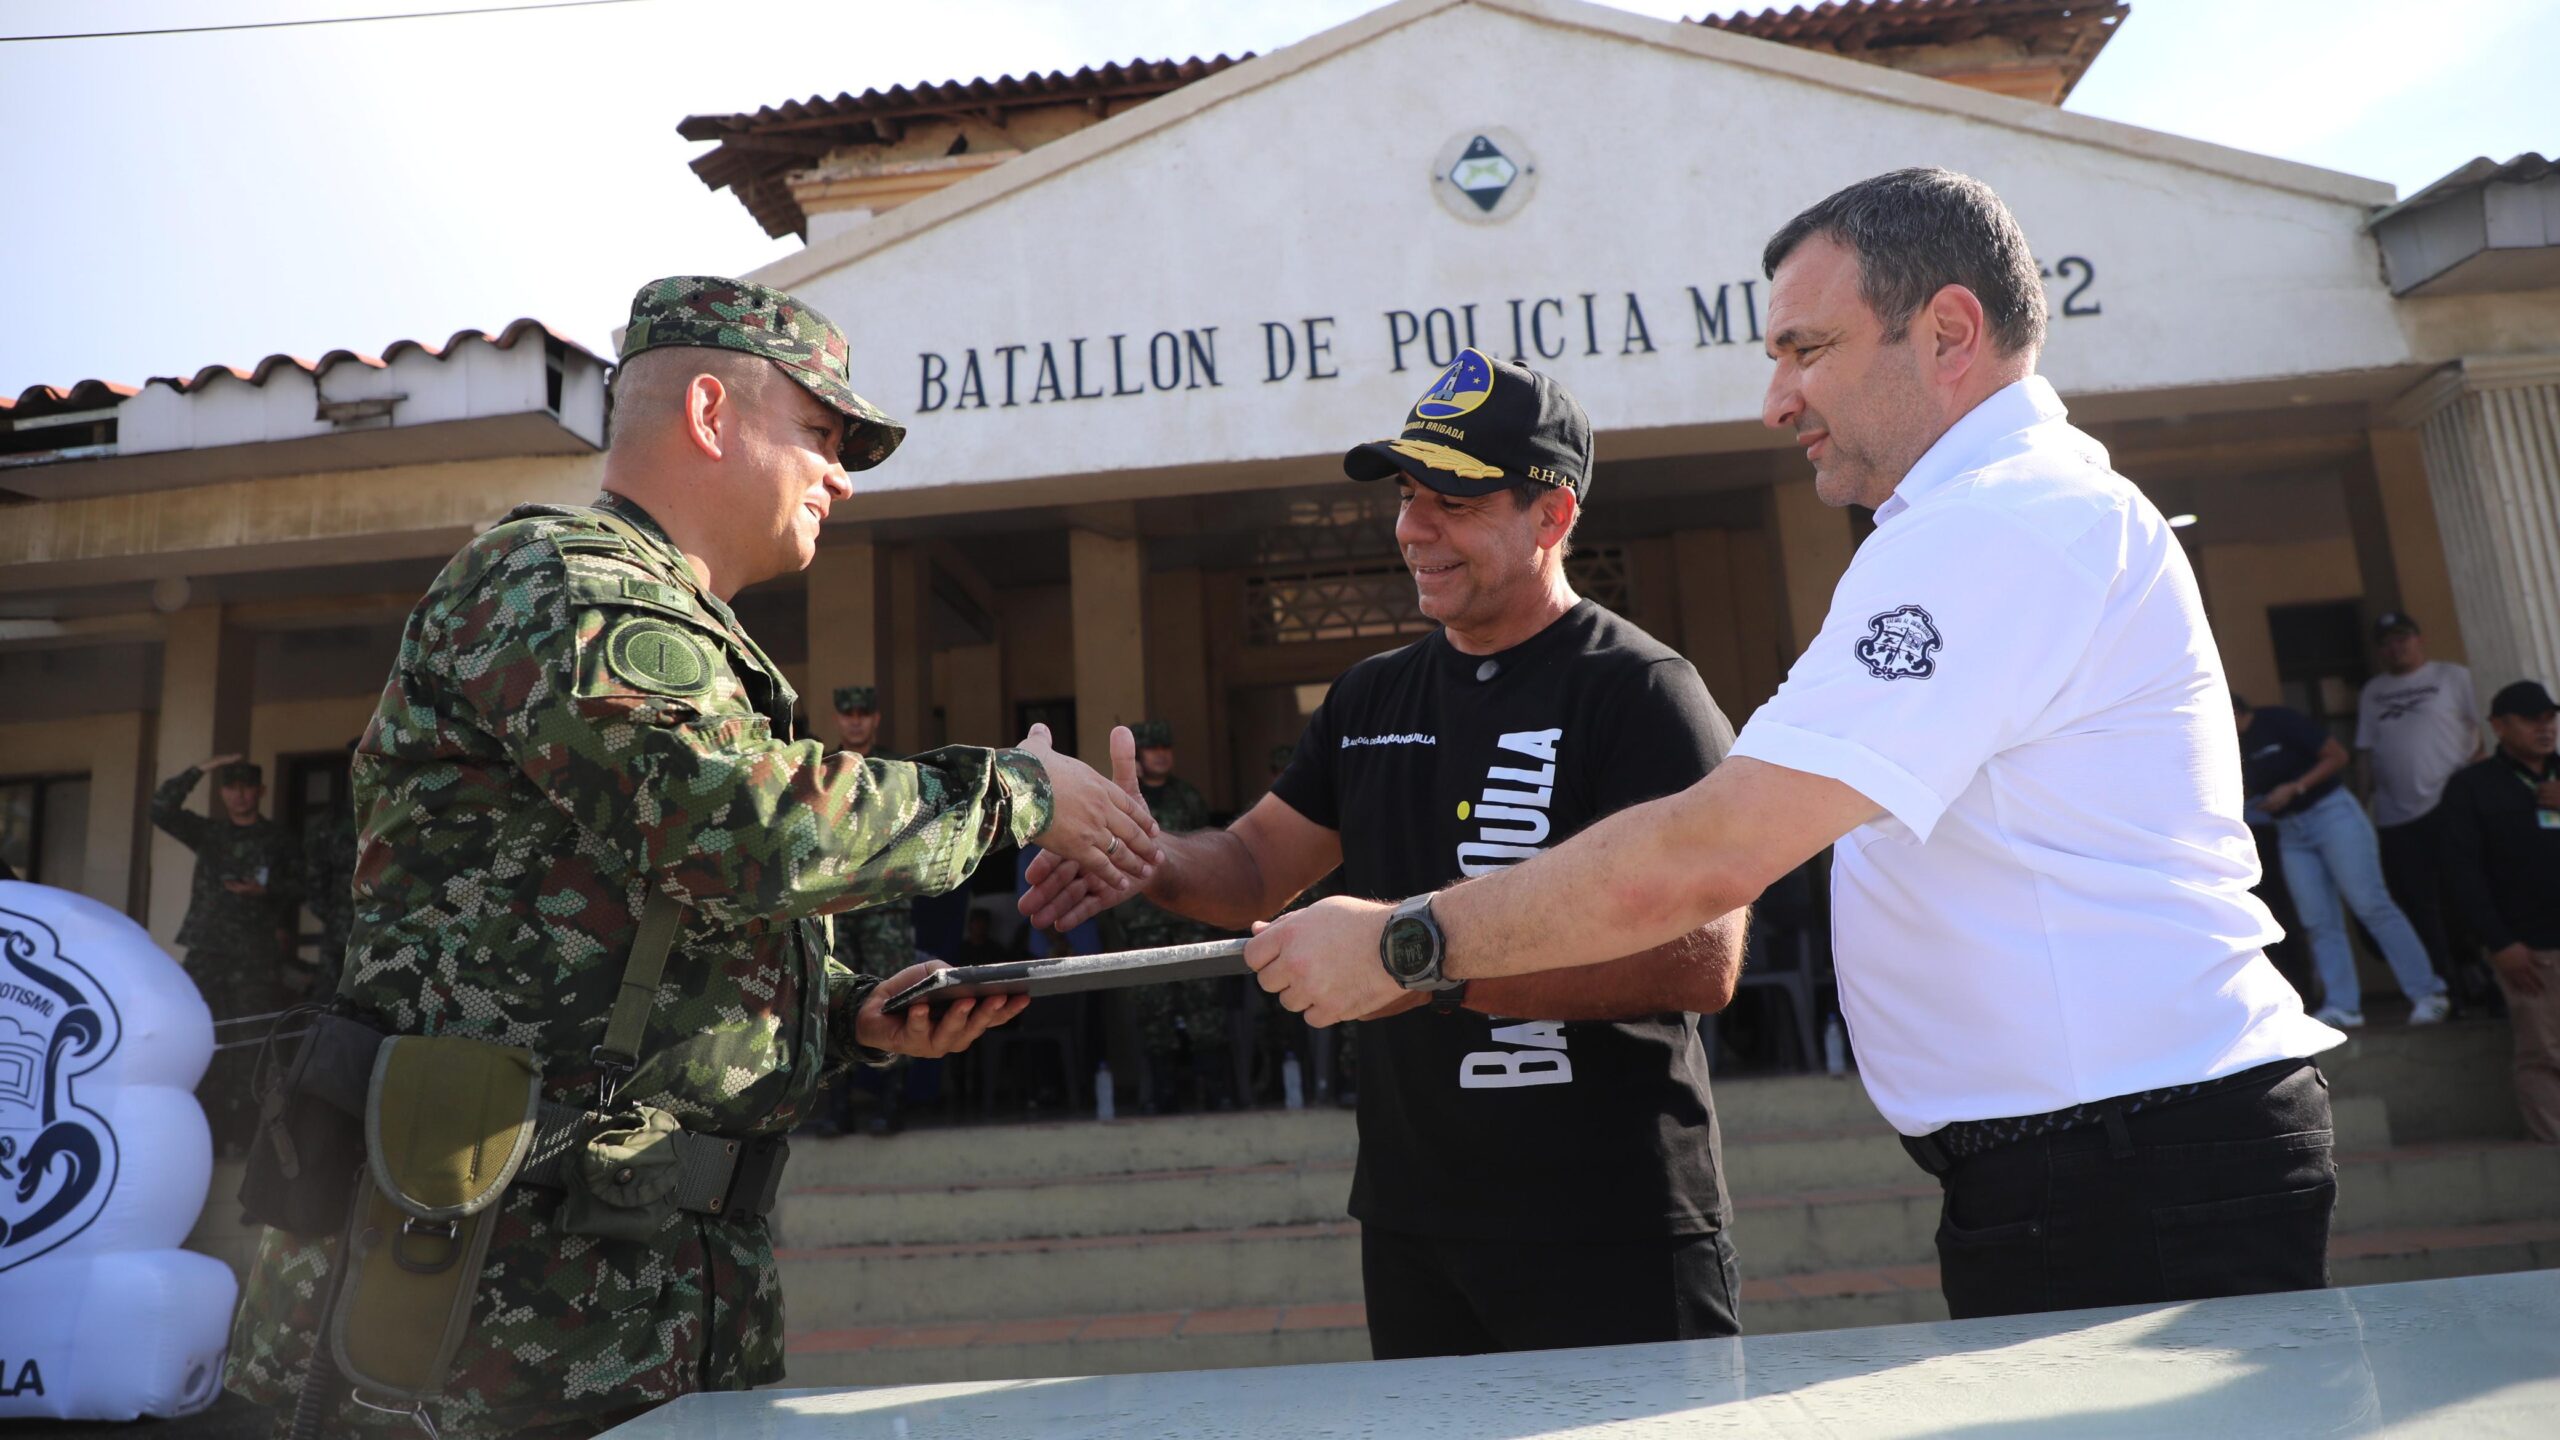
(105, 1160)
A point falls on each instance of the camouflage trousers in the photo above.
(1193, 1014)
(234, 985)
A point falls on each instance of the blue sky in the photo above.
(168, 203)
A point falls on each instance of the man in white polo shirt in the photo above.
(2014, 725)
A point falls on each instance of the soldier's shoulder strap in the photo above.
(628, 1025)
(592, 527)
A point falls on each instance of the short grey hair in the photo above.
(1917, 231)
(647, 385)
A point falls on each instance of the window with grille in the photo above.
(1603, 573)
(1331, 571)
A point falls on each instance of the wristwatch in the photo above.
(1411, 948)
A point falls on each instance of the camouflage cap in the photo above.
(710, 312)
(857, 697)
(1151, 733)
(240, 772)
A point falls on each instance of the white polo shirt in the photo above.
(2055, 907)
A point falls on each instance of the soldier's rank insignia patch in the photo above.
(655, 655)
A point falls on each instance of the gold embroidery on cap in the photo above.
(1441, 457)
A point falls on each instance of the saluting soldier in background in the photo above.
(239, 923)
(1191, 1017)
(577, 720)
(878, 942)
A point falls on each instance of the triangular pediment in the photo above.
(1255, 271)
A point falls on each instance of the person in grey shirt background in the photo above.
(2416, 724)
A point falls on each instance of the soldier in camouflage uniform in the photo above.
(1189, 1017)
(576, 719)
(329, 878)
(881, 941)
(878, 942)
(238, 929)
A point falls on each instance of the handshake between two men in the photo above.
(1099, 830)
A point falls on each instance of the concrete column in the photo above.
(205, 677)
(1177, 687)
(1730, 623)
(973, 706)
(119, 786)
(2489, 427)
(906, 660)
(2417, 545)
(1813, 545)
(1707, 632)
(844, 625)
(1107, 582)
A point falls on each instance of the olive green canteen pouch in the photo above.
(448, 1123)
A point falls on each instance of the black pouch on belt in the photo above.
(312, 1075)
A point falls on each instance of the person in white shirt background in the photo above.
(2013, 724)
(2416, 723)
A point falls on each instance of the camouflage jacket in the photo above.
(328, 877)
(570, 722)
(219, 922)
(1178, 807)
(878, 942)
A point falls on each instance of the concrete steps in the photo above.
(1072, 1247)
(1321, 1334)
(1083, 1345)
(1144, 1202)
(1303, 1262)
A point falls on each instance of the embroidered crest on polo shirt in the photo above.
(1900, 643)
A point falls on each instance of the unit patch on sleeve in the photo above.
(656, 656)
(1900, 643)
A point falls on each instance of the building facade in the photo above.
(1134, 316)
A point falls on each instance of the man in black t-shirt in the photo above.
(1539, 1161)
(2289, 768)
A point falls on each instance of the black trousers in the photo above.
(2413, 870)
(2227, 1193)
(1431, 1296)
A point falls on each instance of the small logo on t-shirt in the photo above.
(1899, 644)
(2400, 704)
(1408, 737)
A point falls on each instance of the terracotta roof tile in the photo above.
(2525, 169)
(756, 151)
(38, 400)
(2073, 31)
(266, 368)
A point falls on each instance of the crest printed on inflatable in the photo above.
(57, 1158)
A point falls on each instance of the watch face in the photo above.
(1409, 950)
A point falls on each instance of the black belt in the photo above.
(1938, 1151)
(726, 1175)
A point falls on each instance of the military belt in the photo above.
(715, 1174)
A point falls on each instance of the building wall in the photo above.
(2242, 580)
(1040, 644)
(2197, 268)
(111, 750)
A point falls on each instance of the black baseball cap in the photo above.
(2391, 622)
(2524, 698)
(1485, 425)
